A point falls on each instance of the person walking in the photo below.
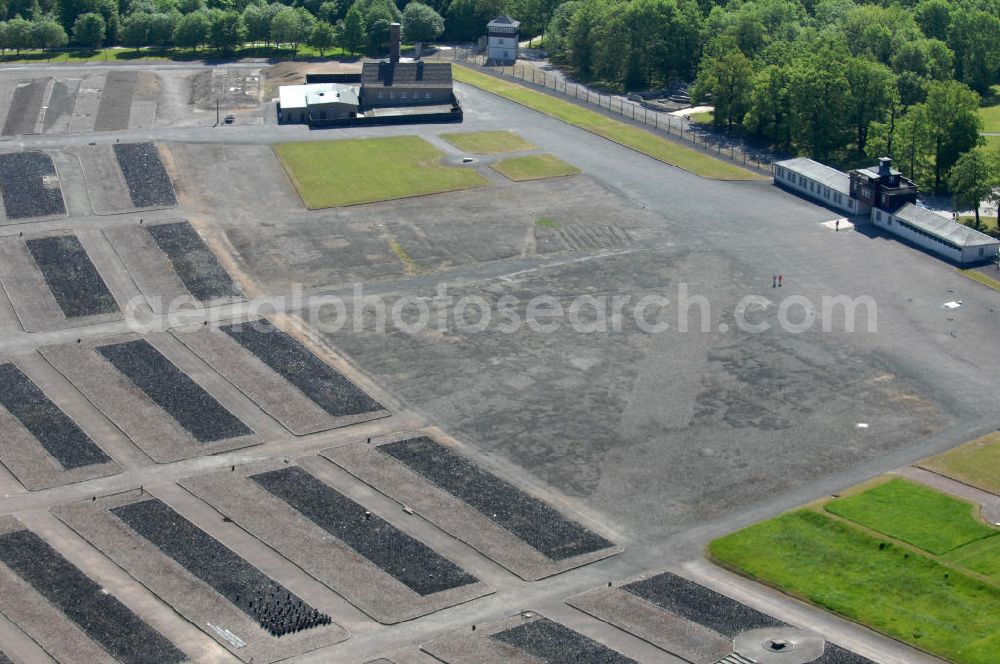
(780, 278)
(774, 281)
(838, 226)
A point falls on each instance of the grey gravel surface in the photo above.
(102, 617)
(837, 655)
(57, 433)
(172, 390)
(273, 606)
(116, 101)
(61, 102)
(25, 191)
(407, 560)
(71, 277)
(538, 524)
(699, 604)
(195, 264)
(556, 644)
(325, 386)
(25, 106)
(147, 179)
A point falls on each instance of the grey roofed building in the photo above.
(405, 84)
(946, 229)
(820, 173)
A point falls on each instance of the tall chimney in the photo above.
(884, 166)
(394, 43)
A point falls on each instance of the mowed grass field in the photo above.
(624, 134)
(923, 517)
(872, 580)
(534, 167)
(350, 172)
(991, 113)
(489, 142)
(976, 463)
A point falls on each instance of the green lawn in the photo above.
(349, 172)
(982, 556)
(703, 118)
(923, 517)
(489, 142)
(888, 587)
(534, 167)
(993, 142)
(976, 463)
(120, 54)
(991, 114)
(619, 132)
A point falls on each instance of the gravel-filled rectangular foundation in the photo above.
(25, 106)
(274, 607)
(526, 638)
(77, 598)
(54, 281)
(556, 644)
(173, 391)
(147, 179)
(538, 524)
(41, 445)
(71, 277)
(116, 101)
(836, 655)
(480, 528)
(167, 413)
(407, 560)
(286, 379)
(254, 616)
(699, 604)
(382, 570)
(59, 435)
(195, 264)
(30, 186)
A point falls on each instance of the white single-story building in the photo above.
(941, 235)
(819, 182)
(316, 102)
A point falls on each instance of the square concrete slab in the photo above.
(39, 443)
(53, 282)
(68, 614)
(527, 638)
(168, 414)
(488, 521)
(251, 615)
(286, 379)
(366, 560)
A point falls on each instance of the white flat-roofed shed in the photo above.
(939, 234)
(820, 182)
(300, 103)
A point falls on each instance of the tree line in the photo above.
(839, 80)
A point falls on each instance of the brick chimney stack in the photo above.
(394, 39)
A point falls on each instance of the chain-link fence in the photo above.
(671, 125)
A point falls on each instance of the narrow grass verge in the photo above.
(631, 137)
(976, 464)
(489, 142)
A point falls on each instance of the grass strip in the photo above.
(976, 464)
(534, 167)
(874, 582)
(631, 137)
(489, 142)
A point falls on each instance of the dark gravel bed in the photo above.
(557, 644)
(147, 179)
(173, 391)
(326, 387)
(837, 655)
(115, 109)
(701, 605)
(101, 617)
(193, 261)
(57, 433)
(410, 562)
(273, 606)
(25, 105)
(538, 525)
(70, 275)
(4, 659)
(61, 103)
(25, 193)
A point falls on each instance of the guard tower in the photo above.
(501, 40)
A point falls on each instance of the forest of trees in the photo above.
(839, 80)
